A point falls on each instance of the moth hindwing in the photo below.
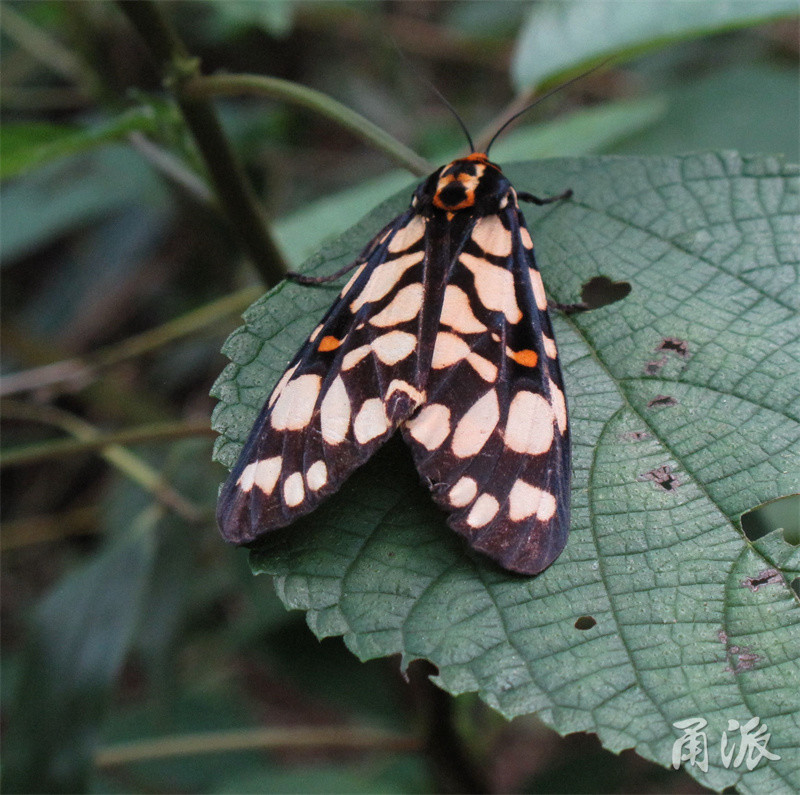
(441, 331)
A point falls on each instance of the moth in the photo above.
(441, 332)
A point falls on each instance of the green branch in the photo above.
(85, 368)
(275, 88)
(130, 464)
(234, 193)
(344, 738)
(60, 448)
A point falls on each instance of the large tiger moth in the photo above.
(443, 332)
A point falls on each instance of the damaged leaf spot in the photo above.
(663, 478)
(635, 436)
(586, 622)
(766, 577)
(739, 658)
(662, 401)
(654, 368)
(602, 291)
(674, 345)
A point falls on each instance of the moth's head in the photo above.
(472, 183)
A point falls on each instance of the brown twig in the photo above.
(336, 737)
(130, 464)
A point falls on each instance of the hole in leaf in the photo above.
(765, 577)
(674, 345)
(662, 401)
(601, 291)
(662, 477)
(783, 513)
(795, 585)
(585, 622)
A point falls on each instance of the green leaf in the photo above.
(718, 110)
(27, 146)
(562, 36)
(67, 194)
(582, 132)
(684, 408)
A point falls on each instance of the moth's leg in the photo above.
(360, 260)
(529, 197)
(568, 309)
(303, 279)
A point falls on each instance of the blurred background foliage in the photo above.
(138, 652)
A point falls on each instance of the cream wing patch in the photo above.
(404, 306)
(398, 385)
(529, 427)
(490, 234)
(276, 393)
(457, 313)
(540, 296)
(371, 421)
(559, 407)
(476, 426)
(463, 493)
(395, 346)
(483, 511)
(525, 500)
(406, 237)
(450, 349)
(352, 358)
(384, 278)
(294, 491)
(494, 286)
(431, 426)
(295, 406)
(334, 417)
(262, 474)
(390, 348)
(317, 475)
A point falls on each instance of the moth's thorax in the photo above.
(473, 184)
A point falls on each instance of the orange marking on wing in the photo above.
(328, 344)
(527, 358)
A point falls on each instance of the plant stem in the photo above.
(21, 533)
(83, 369)
(130, 464)
(338, 737)
(233, 190)
(275, 88)
(40, 45)
(59, 448)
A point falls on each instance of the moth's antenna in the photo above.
(452, 110)
(542, 99)
(438, 93)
